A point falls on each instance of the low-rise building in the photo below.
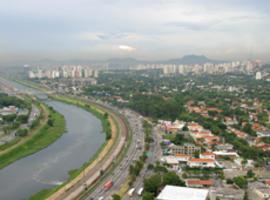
(208, 155)
(182, 158)
(198, 183)
(224, 147)
(201, 163)
(171, 161)
(224, 154)
(259, 190)
(226, 193)
(193, 126)
(187, 149)
(264, 133)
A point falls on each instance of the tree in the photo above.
(152, 184)
(105, 115)
(50, 122)
(21, 132)
(178, 139)
(116, 197)
(148, 196)
(9, 118)
(171, 178)
(196, 154)
(248, 129)
(245, 196)
(185, 128)
(250, 174)
(240, 181)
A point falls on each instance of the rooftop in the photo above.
(209, 182)
(201, 160)
(180, 193)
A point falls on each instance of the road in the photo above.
(156, 153)
(121, 172)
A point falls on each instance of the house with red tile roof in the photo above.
(208, 155)
(198, 183)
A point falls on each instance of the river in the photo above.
(50, 166)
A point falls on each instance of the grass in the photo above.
(9, 144)
(44, 137)
(124, 187)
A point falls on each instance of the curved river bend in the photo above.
(50, 166)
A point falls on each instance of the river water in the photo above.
(50, 166)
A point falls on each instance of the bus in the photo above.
(108, 185)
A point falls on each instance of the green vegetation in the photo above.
(266, 140)
(45, 136)
(154, 183)
(155, 106)
(148, 196)
(240, 181)
(116, 197)
(9, 144)
(21, 132)
(6, 100)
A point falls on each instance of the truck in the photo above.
(108, 185)
(130, 192)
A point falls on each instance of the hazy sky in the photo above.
(145, 29)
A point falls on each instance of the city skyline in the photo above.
(146, 30)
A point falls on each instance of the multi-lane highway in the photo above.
(121, 172)
(156, 153)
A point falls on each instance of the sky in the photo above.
(143, 29)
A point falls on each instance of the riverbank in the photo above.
(42, 135)
(113, 146)
(109, 126)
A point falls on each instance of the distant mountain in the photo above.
(191, 60)
(122, 63)
(123, 60)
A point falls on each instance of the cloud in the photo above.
(159, 28)
(126, 48)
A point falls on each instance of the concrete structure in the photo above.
(207, 155)
(201, 163)
(187, 149)
(182, 193)
(259, 191)
(172, 161)
(226, 193)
